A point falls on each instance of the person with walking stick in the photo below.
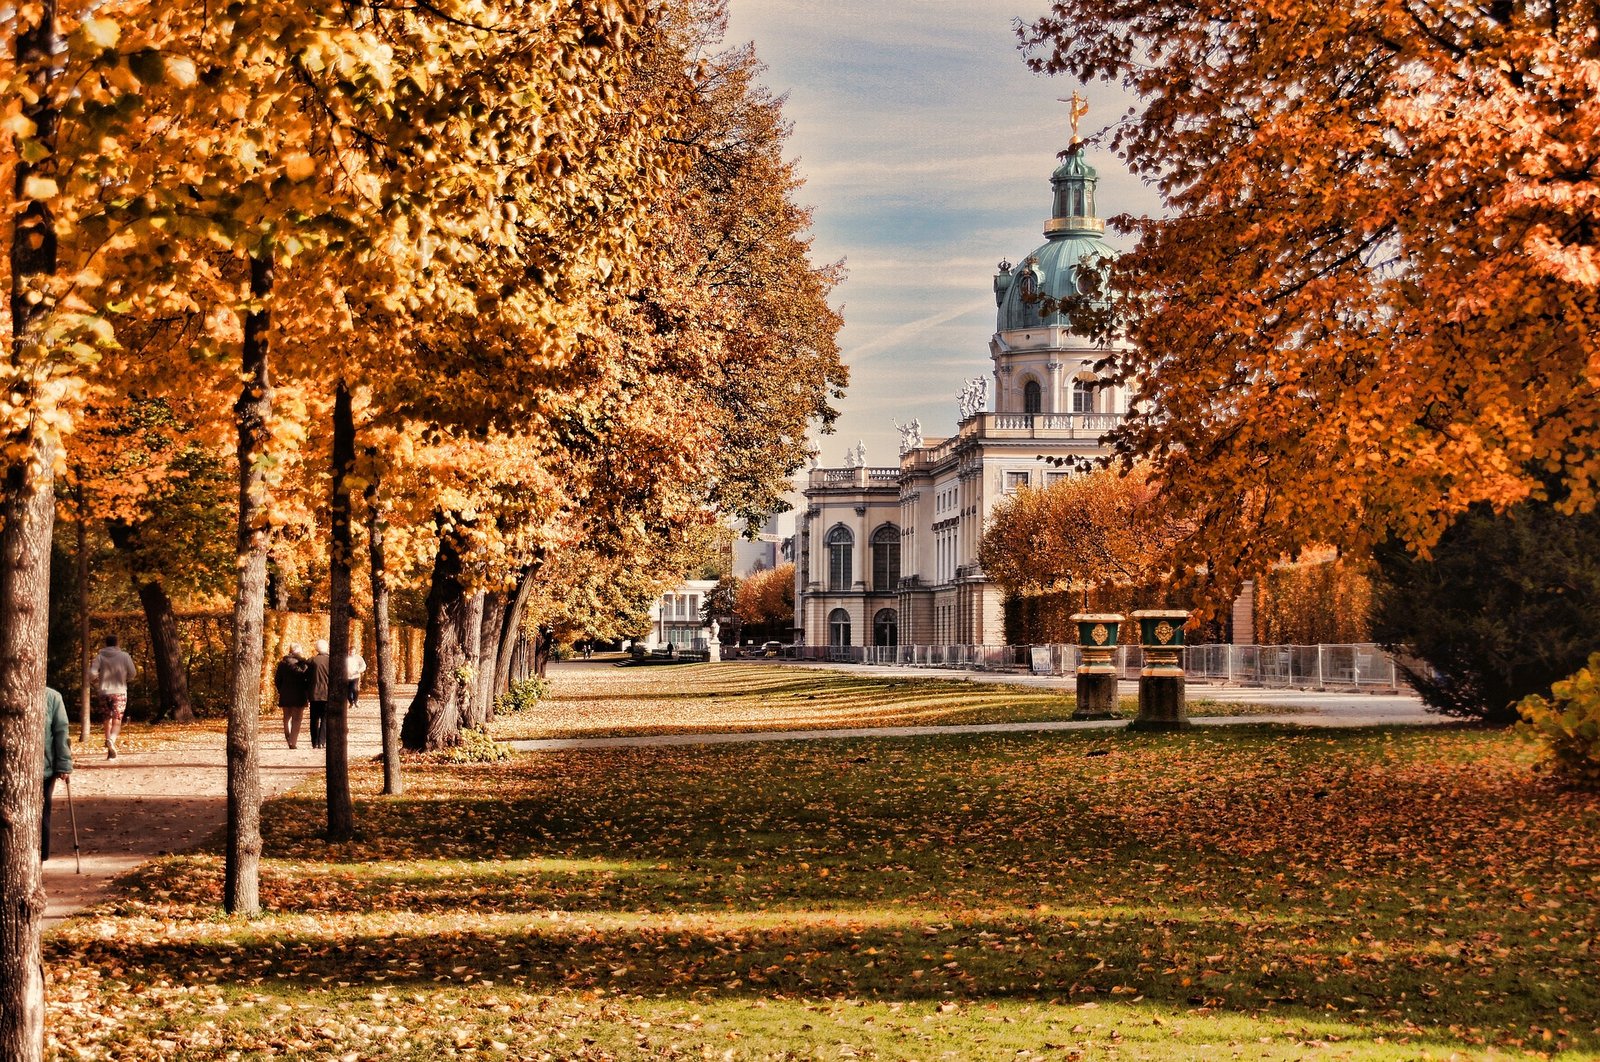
(57, 759)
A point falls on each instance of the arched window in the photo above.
(1083, 395)
(886, 558)
(838, 627)
(886, 627)
(841, 545)
(1032, 397)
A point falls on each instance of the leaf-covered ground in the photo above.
(602, 700)
(1233, 892)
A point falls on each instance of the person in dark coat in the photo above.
(293, 681)
(319, 694)
(57, 758)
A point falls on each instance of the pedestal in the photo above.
(1097, 695)
(714, 652)
(1162, 704)
(1161, 695)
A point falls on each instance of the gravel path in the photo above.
(147, 804)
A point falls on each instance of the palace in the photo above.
(889, 556)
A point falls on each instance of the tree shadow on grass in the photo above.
(918, 957)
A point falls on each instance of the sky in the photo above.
(926, 146)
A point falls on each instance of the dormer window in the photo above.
(1028, 282)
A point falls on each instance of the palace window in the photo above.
(838, 627)
(1032, 397)
(886, 627)
(1082, 397)
(841, 544)
(1015, 481)
(886, 558)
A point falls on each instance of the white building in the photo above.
(889, 556)
(676, 618)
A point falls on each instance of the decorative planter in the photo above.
(1097, 670)
(1097, 640)
(1161, 637)
(1162, 701)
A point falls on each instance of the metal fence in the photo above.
(1358, 666)
(1352, 666)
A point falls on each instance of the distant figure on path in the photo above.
(109, 675)
(355, 665)
(57, 758)
(319, 692)
(293, 681)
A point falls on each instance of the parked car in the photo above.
(772, 649)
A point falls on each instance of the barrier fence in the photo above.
(1348, 666)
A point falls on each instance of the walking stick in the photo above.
(72, 813)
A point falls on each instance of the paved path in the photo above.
(146, 804)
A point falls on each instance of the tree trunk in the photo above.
(494, 610)
(336, 729)
(433, 721)
(387, 719)
(511, 624)
(473, 713)
(172, 681)
(543, 640)
(241, 883)
(28, 510)
(85, 700)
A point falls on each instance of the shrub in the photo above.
(523, 694)
(1506, 606)
(1569, 724)
(476, 747)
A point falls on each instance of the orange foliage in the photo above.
(1375, 293)
(766, 598)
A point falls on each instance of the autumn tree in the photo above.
(764, 602)
(1088, 533)
(1371, 297)
(136, 465)
(694, 386)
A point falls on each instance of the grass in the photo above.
(691, 698)
(1247, 891)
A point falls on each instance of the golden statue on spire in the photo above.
(1078, 107)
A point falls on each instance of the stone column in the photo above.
(1097, 670)
(1162, 703)
(1055, 388)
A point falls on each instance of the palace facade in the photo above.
(889, 556)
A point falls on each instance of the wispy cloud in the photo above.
(912, 329)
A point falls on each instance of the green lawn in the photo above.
(1243, 892)
(690, 698)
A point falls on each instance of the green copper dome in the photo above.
(1073, 233)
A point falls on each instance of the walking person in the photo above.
(293, 681)
(109, 676)
(57, 758)
(355, 665)
(319, 693)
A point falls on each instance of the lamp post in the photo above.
(1097, 673)
(1161, 690)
